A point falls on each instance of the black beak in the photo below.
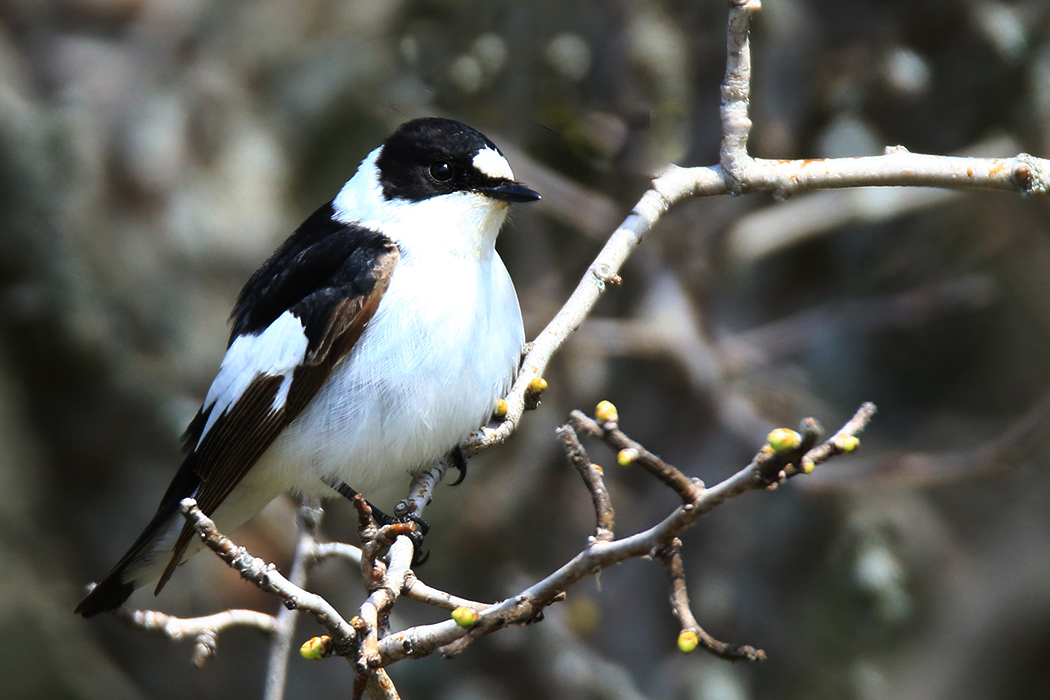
(510, 191)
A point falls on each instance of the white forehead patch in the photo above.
(491, 163)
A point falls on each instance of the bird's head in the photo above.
(434, 183)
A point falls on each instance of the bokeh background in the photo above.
(153, 152)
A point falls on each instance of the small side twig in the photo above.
(204, 630)
(335, 550)
(422, 593)
(840, 441)
(611, 434)
(592, 477)
(309, 520)
(268, 578)
(671, 556)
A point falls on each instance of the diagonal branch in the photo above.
(268, 578)
(767, 467)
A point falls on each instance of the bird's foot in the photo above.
(404, 515)
(403, 522)
(459, 462)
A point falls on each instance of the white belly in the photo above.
(442, 348)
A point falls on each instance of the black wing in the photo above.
(331, 276)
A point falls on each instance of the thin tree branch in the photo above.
(671, 556)
(308, 519)
(666, 191)
(422, 593)
(363, 638)
(736, 97)
(592, 477)
(335, 550)
(615, 438)
(268, 578)
(205, 630)
(738, 173)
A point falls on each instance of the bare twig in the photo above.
(736, 95)
(335, 550)
(422, 593)
(269, 579)
(377, 606)
(309, 519)
(615, 438)
(387, 581)
(204, 630)
(671, 556)
(592, 477)
(916, 469)
(897, 167)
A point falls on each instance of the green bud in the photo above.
(688, 641)
(317, 648)
(626, 456)
(538, 385)
(848, 443)
(784, 439)
(465, 617)
(606, 412)
(500, 412)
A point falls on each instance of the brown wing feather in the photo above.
(240, 437)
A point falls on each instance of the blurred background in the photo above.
(153, 153)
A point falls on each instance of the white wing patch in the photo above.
(491, 163)
(275, 352)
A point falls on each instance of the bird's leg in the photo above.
(401, 515)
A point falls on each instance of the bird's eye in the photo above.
(441, 171)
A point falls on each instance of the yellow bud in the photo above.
(598, 468)
(538, 385)
(465, 617)
(606, 412)
(848, 443)
(808, 465)
(688, 641)
(500, 412)
(317, 648)
(784, 439)
(626, 456)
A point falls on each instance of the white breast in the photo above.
(441, 349)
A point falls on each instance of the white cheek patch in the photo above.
(491, 163)
(275, 352)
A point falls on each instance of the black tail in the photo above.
(118, 585)
(109, 594)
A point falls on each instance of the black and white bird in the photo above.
(369, 345)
